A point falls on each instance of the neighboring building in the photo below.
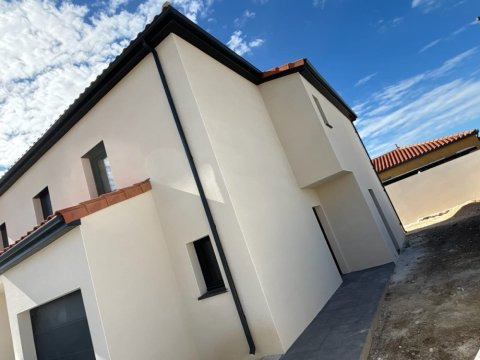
(405, 161)
(427, 179)
(237, 258)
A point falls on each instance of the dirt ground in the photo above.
(467, 209)
(432, 304)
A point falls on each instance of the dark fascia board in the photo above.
(169, 21)
(309, 72)
(34, 242)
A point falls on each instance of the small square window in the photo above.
(210, 270)
(43, 205)
(101, 169)
(4, 235)
(322, 113)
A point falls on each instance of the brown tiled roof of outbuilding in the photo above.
(88, 207)
(403, 154)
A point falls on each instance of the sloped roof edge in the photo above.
(404, 154)
(169, 21)
(64, 220)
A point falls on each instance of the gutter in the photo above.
(203, 197)
(36, 241)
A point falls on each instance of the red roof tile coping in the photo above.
(403, 154)
(282, 68)
(88, 207)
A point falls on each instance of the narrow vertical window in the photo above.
(4, 235)
(43, 205)
(209, 266)
(101, 169)
(384, 220)
(322, 113)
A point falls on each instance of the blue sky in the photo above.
(409, 68)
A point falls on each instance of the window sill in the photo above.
(213, 293)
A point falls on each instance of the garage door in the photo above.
(60, 330)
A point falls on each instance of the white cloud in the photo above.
(429, 45)
(240, 45)
(365, 79)
(242, 20)
(447, 38)
(401, 113)
(50, 51)
(319, 3)
(426, 5)
(383, 25)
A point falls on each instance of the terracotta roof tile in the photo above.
(282, 68)
(88, 207)
(403, 154)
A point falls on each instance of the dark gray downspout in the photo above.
(206, 207)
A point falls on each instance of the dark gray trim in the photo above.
(213, 293)
(169, 21)
(203, 198)
(34, 242)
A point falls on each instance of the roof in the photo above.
(168, 22)
(282, 68)
(74, 213)
(403, 154)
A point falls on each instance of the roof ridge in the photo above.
(464, 133)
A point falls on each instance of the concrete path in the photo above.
(432, 305)
(340, 330)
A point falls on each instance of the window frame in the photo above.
(209, 266)
(4, 235)
(44, 201)
(100, 174)
(322, 113)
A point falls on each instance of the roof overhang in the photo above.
(34, 242)
(168, 22)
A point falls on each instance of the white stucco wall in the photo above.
(6, 346)
(135, 286)
(296, 109)
(353, 157)
(345, 209)
(277, 254)
(437, 189)
(57, 270)
(291, 259)
(141, 141)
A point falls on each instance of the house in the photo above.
(187, 206)
(429, 179)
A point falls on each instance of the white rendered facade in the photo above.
(265, 159)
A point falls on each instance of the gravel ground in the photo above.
(432, 304)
